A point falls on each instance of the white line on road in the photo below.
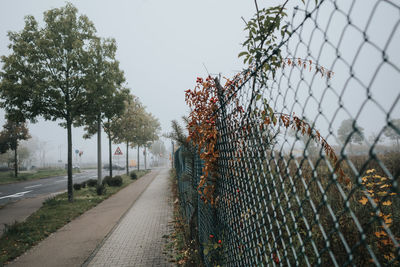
(32, 186)
(20, 194)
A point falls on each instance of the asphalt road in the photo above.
(17, 191)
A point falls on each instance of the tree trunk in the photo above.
(69, 164)
(127, 158)
(109, 154)
(145, 158)
(138, 155)
(99, 175)
(173, 155)
(16, 162)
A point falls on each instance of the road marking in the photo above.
(20, 194)
(62, 181)
(32, 186)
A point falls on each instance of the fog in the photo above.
(164, 45)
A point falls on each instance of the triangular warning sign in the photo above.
(118, 152)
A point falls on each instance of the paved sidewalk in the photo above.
(75, 242)
(138, 238)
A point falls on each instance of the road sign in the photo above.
(118, 152)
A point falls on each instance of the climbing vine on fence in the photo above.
(264, 57)
(203, 132)
(207, 98)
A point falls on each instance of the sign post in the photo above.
(117, 153)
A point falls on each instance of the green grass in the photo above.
(8, 177)
(55, 213)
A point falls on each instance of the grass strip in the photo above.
(8, 177)
(55, 213)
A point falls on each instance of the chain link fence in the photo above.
(280, 200)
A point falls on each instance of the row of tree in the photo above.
(10, 136)
(63, 71)
(350, 132)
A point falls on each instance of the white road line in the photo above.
(62, 181)
(32, 186)
(20, 194)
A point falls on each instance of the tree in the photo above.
(11, 135)
(136, 127)
(181, 138)
(24, 155)
(392, 131)
(46, 73)
(126, 128)
(158, 150)
(114, 112)
(4, 147)
(104, 82)
(6, 158)
(350, 132)
(374, 138)
(178, 133)
(148, 132)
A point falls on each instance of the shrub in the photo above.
(91, 182)
(77, 186)
(112, 181)
(83, 184)
(106, 180)
(100, 190)
(116, 181)
(133, 175)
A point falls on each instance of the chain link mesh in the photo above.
(280, 202)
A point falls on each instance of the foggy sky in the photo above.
(162, 46)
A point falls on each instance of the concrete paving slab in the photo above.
(138, 238)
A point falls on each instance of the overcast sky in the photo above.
(350, 38)
(164, 45)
